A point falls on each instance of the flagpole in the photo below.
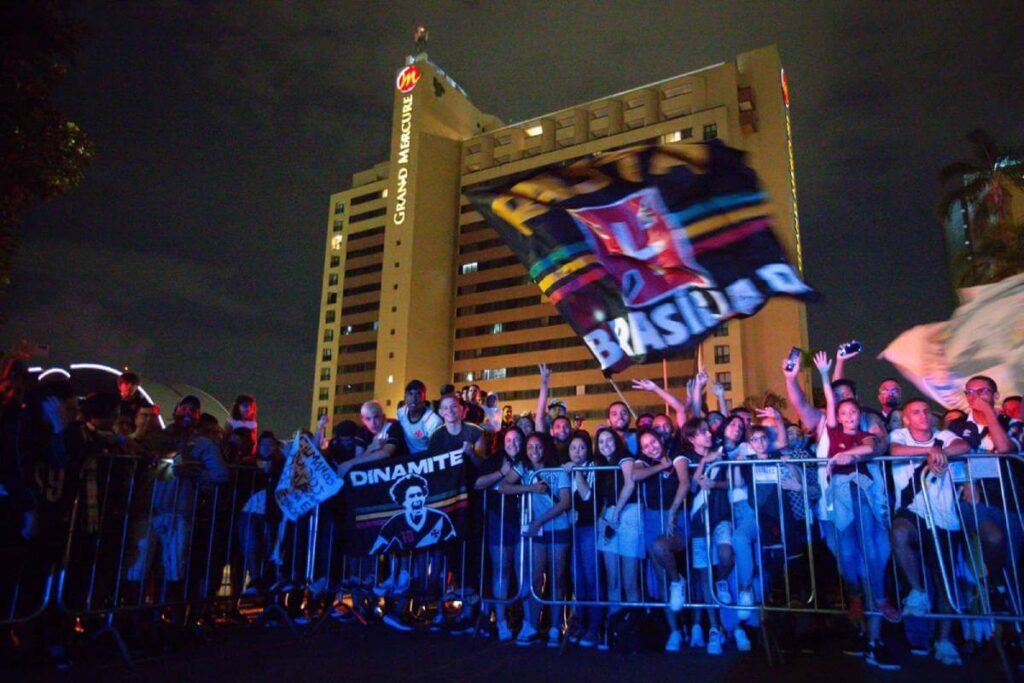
(664, 380)
(621, 397)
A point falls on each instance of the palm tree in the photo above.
(998, 253)
(981, 183)
(982, 187)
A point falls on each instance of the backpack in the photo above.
(634, 630)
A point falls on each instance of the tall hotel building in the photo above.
(416, 285)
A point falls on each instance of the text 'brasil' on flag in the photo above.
(645, 251)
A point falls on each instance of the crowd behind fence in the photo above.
(701, 535)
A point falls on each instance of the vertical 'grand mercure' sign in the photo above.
(406, 81)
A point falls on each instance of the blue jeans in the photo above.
(864, 550)
(584, 570)
(744, 543)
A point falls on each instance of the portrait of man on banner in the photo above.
(416, 526)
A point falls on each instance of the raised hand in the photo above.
(545, 372)
(645, 385)
(768, 413)
(718, 390)
(701, 379)
(791, 372)
(822, 362)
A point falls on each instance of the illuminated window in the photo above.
(391, 379)
(496, 329)
(469, 267)
(674, 136)
(722, 353)
(328, 335)
(710, 131)
(326, 355)
(534, 131)
(384, 193)
(325, 374)
(324, 394)
(348, 329)
(725, 379)
(469, 376)
(336, 243)
(332, 279)
(321, 411)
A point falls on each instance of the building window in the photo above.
(326, 355)
(725, 379)
(328, 335)
(329, 318)
(324, 393)
(686, 133)
(338, 226)
(332, 298)
(321, 411)
(335, 261)
(339, 208)
(722, 330)
(332, 279)
(336, 243)
(674, 136)
(325, 374)
(722, 353)
(710, 131)
(496, 329)
(469, 267)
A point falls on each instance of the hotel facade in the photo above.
(417, 286)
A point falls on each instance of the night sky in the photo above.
(193, 250)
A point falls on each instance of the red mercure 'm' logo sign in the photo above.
(407, 78)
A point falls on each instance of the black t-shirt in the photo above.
(659, 490)
(391, 433)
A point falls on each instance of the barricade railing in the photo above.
(797, 563)
(953, 530)
(158, 536)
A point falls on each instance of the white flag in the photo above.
(985, 336)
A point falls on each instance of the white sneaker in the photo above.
(715, 639)
(697, 636)
(744, 599)
(677, 595)
(722, 591)
(504, 632)
(554, 637)
(675, 642)
(742, 642)
(947, 654)
(917, 604)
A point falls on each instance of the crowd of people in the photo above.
(670, 509)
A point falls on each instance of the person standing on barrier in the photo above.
(547, 534)
(860, 516)
(664, 481)
(585, 500)
(932, 525)
(621, 529)
(709, 518)
(502, 523)
(983, 505)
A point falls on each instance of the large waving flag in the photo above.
(645, 251)
(985, 336)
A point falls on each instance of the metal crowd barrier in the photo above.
(149, 544)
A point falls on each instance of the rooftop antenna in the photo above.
(420, 37)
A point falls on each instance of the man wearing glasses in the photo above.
(984, 509)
